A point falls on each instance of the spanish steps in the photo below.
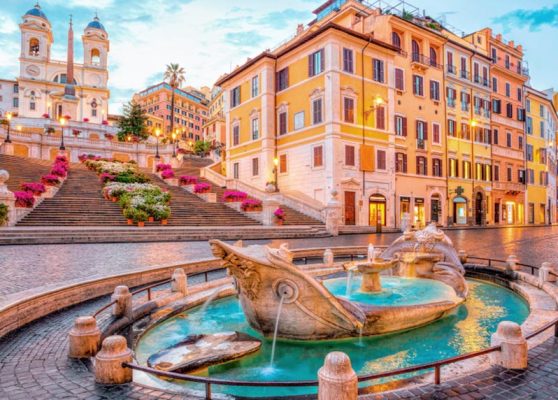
(23, 170)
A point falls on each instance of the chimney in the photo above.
(499, 37)
(520, 48)
(299, 29)
(511, 43)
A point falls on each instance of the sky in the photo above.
(211, 37)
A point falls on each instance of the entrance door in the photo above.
(496, 213)
(460, 211)
(350, 211)
(435, 209)
(509, 213)
(377, 210)
(478, 209)
(419, 213)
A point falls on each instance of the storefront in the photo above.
(377, 206)
(460, 210)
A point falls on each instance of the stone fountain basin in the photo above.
(203, 350)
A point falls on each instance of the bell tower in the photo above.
(95, 45)
(36, 35)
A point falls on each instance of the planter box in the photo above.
(50, 192)
(209, 197)
(189, 188)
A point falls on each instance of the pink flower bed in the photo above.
(59, 170)
(167, 174)
(279, 214)
(188, 180)
(162, 167)
(202, 188)
(24, 199)
(251, 205)
(234, 195)
(34, 188)
(105, 177)
(50, 180)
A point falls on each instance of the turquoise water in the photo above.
(395, 291)
(467, 329)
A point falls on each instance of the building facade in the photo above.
(214, 129)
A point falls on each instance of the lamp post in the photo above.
(173, 145)
(62, 123)
(9, 119)
(157, 134)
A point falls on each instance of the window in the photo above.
(399, 79)
(509, 110)
(255, 128)
(400, 125)
(317, 111)
(453, 168)
(255, 86)
(32, 105)
(433, 57)
(396, 40)
(451, 67)
(16, 88)
(507, 61)
(495, 140)
(236, 170)
(415, 49)
(529, 152)
(421, 166)
(282, 163)
(519, 94)
(401, 162)
(451, 95)
(465, 101)
(350, 156)
(496, 173)
(255, 166)
(318, 159)
(521, 114)
(235, 97)
(34, 47)
(529, 124)
(509, 174)
(282, 123)
(521, 176)
(418, 89)
(282, 79)
(541, 129)
(497, 106)
(495, 85)
(508, 89)
(348, 61)
(349, 109)
(465, 131)
(508, 139)
(236, 135)
(378, 70)
(520, 142)
(381, 160)
(436, 133)
(528, 105)
(435, 90)
(422, 130)
(466, 169)
(316, 63)
(15, 102)
(452, 128)
(380, 118)
(93, 113)
(299, 120)
(95, 57)
(436, 167)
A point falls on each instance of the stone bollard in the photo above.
(337, 379)
(514, 353)
(328, 258)
(462, 256)
(511, 263)
(546, 273)
(108, 362)
(84, 337)
(179, 281)
(123, 305)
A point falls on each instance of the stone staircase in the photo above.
(23, 170)
(192, 167)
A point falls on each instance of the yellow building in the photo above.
(540, 153)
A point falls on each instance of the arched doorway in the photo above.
(377, 207)
(460, 211)
(479, 209)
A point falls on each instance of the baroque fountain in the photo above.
(404, 304)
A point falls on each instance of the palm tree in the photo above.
(174, 74)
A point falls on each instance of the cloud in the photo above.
(243, 39)
(532, 19)
(7, 25)
(93, 4)
(280, 19)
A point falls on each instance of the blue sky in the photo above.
(209, 37)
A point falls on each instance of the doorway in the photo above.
(350, 208)
(418, 221)
(377, 206)
(435, 208)
(479, 209)
(460, 211)
(496, 213)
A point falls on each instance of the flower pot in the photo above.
(279, 222)
(141, 224)
(151, 219)
(164, 222)
(130, 222)
(114, 199)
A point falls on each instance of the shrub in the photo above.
(234, 195)
(50, 180)
(161, 167)
(24, 199)
(251, 204)
(202, 188)
(139, 216)
(131, 177)
(279, 214)
(188, 180)
(35, 188)
(3, 214)
(167, 174)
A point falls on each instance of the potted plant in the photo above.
(50, 180)
(24, 199)
(186, 180)
(140, 217)
(231, 196)
(3, 214)
(129, 215)
(36, 189)
(162, 167)
(76, 132)
(167, 174)
(250, 205)
(279, 216)
(201, 188)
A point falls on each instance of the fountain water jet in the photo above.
(279, 309)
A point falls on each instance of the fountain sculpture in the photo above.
(268, 281)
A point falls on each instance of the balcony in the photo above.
(509, 187)
(452, 69)
(465, 75)
(421, 144)
(422, 62)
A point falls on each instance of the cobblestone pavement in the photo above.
(34, 366)
(36, 266)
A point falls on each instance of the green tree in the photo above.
(202, 148)
(133, 122)
(174, 75)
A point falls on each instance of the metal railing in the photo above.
(436, 366)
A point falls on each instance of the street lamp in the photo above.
(62, 123)
(157, 134)
(9, 119)
(173, 145)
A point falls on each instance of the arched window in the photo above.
(34, 47)
(433, 57)
(95, 57)
(415, 48)
(396, 40)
